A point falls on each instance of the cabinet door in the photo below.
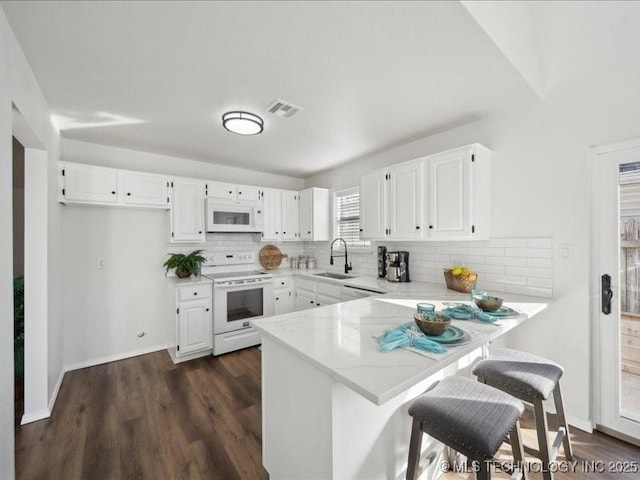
(305, 214)
(249, 192)
(194, 326)
(305, 299)
(272, 214)
(144, 189)
(405, 201)
(373, 211)
(89, 184)
(289, 215)
(449, 195)
(222, 190)
(284, 301)
(322, 300)
(187, 211)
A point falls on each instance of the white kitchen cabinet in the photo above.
(144, 189)
(88, 184)
(314, 214)
(187, 211)
(231, 191)
(304, 299)
(373, 206)
(405, 201)
(289, 215)
(194, 321)
(458, 194)
(272, 208)
(284, 301)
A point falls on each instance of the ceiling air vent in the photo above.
(283, 109)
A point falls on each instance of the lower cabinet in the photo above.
(284, 301)
(305, 299)
(311, 294)
(194, 321)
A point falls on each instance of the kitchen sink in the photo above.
(336, 276)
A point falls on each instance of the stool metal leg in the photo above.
(415, 445)
(484, 472)
(543, 442)
(566, 440)
(518, 452)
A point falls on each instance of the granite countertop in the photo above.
(339, 339)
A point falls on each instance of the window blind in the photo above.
(348, 217)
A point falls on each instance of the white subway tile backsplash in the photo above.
(529, 271)
(539, 243)
(540, 262)
(506, 279)
(525, 290)
(511, 261)
(540, 282)
(529, 252)
(494, 252)
(506, 242)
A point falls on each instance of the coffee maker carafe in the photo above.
(398, 266)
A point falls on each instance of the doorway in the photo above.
(616, 289)
(18, 277)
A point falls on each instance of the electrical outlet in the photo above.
(100, 264)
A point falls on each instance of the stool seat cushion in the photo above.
(521, 374)
(468, 416)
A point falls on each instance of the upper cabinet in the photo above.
(144, 189)
(88, 184)
(445, 196)
(405, 201)
(230, 191)
(314, 214)
(187, 211)
(290, 209)
(91, 185)
(373, 206)
(272, 208)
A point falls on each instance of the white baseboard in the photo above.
(580, 424)
(113, 358)
(35, 416)
(56, 390)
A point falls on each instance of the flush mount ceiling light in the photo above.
(242, 123)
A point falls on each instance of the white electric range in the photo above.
(240, 294)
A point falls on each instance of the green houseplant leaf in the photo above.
(185, 265)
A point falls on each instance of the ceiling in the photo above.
(157, 76)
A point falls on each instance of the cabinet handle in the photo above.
(277, 233)
(207, 309)
(195, 293)
(230, 191)
(309, 233)
(277, 298)
(430, 226)
(317, 304)
(113, 192)
(417, 227)
(239, 193)
(311, 302)
(361, 230)
(282, 283)
(200, 232)
(284, 233)
(129, 194)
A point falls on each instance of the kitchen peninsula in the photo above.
(334, 406)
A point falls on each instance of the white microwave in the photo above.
(234, 216)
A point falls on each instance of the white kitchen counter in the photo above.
(333, 406)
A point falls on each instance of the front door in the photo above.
(616, 288)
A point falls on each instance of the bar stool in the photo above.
(531, 379)
(472, 418)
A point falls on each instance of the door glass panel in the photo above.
(629, 201)
(244, 304)
(231, 218)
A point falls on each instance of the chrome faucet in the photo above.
(347, 265)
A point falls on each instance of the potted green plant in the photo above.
(185, 265)
(18, 326)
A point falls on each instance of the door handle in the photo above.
(607, 294)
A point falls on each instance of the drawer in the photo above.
(282, 282)
(329, 289)
(304, 284)
(195, 292)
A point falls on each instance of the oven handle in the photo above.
(243, 285)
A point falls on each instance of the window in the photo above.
(347, 215)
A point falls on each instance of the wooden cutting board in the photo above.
(271, 257)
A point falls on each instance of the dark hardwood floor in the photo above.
(146, 418)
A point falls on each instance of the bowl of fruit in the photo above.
(460, 279)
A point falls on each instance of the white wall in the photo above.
(104, 309)
(18, 85)
(105, 156)
(540, 188)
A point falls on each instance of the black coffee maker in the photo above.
(382, 261)
(398, 266)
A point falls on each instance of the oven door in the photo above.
(235, 304)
